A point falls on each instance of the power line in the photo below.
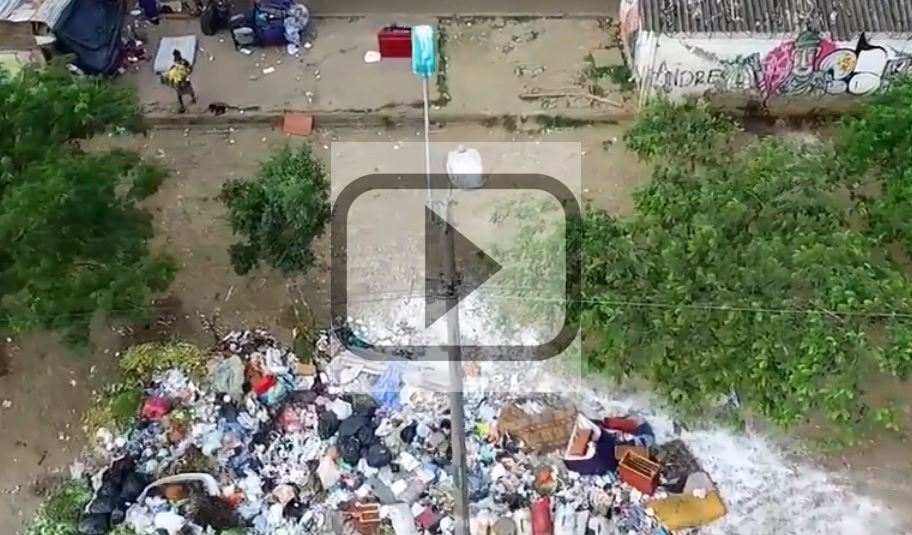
(400, 294)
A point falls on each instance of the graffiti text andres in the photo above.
(666, 78)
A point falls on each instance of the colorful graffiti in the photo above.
(814, 65)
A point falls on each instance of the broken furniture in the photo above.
(700, 505)
(542, 425)
(590, 450)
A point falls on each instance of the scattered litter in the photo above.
(372, 56)
(274, 445)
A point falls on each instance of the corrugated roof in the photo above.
(46, 11)
(842, 19)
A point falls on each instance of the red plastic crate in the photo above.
(395, 42)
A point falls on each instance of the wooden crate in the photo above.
(639, 472)
(545, 432)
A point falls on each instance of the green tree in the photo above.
(875, 154)
(279, 213)
(738, 273)
(73, 239)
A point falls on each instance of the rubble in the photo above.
(343, 445)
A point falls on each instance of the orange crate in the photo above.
(639, 472)
(620, 451)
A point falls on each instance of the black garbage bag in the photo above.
(515, 501)
(213, 511)
(349, 450)
(118, 516)
(229, 411)
(351, 425)
(103, 505)
(364, 405)
(294, 509)
(408, 433)
(328, 425)
(318, 387)
(379, 456)
(303, 397)
(367, 435)
(94, 524)
(118, 470)
(132, 487)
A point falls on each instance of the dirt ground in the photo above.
(48, 387)
(546, 55)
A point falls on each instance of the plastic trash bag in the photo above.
(133, 485)
(341, 408)
(103, 505)
(349, 450)
(94, 524)
(296, 20)
(644, 435)
(328, 473)
(213, 511)
(227, 375)
(378, 456)
(350, 426)
(367, 435)
(328, 425)
(294, 509)
(364, 405)
(387, 387)
(118, 516)
(408, 433)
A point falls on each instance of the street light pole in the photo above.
(454, 357)
(424, 64)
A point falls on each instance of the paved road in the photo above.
(464, 7)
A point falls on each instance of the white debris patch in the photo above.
(765, 492)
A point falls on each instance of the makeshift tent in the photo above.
(91, 29)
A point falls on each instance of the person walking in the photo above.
(178, 77)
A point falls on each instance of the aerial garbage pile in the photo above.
(269, 444)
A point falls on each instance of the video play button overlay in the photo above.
(474, 266)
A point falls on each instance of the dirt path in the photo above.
(48, 387)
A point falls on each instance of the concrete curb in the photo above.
(411, 117)
(467, 16)
(373, 118)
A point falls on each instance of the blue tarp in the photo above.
(91, 29)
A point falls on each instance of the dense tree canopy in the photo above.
(739, 270)
(279, 213)
(875, 152)
(73, 240)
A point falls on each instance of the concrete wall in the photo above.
(808, 64)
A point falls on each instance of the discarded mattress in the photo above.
(164, 57)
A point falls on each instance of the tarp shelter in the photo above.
(90, 29)
(26, 24)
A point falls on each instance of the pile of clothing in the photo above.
(274, 23)
(273, 445)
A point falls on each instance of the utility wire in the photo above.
(398, 295)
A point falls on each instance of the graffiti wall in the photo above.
(809, 64)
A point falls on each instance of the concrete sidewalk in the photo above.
(491, 68)
(467, 8)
